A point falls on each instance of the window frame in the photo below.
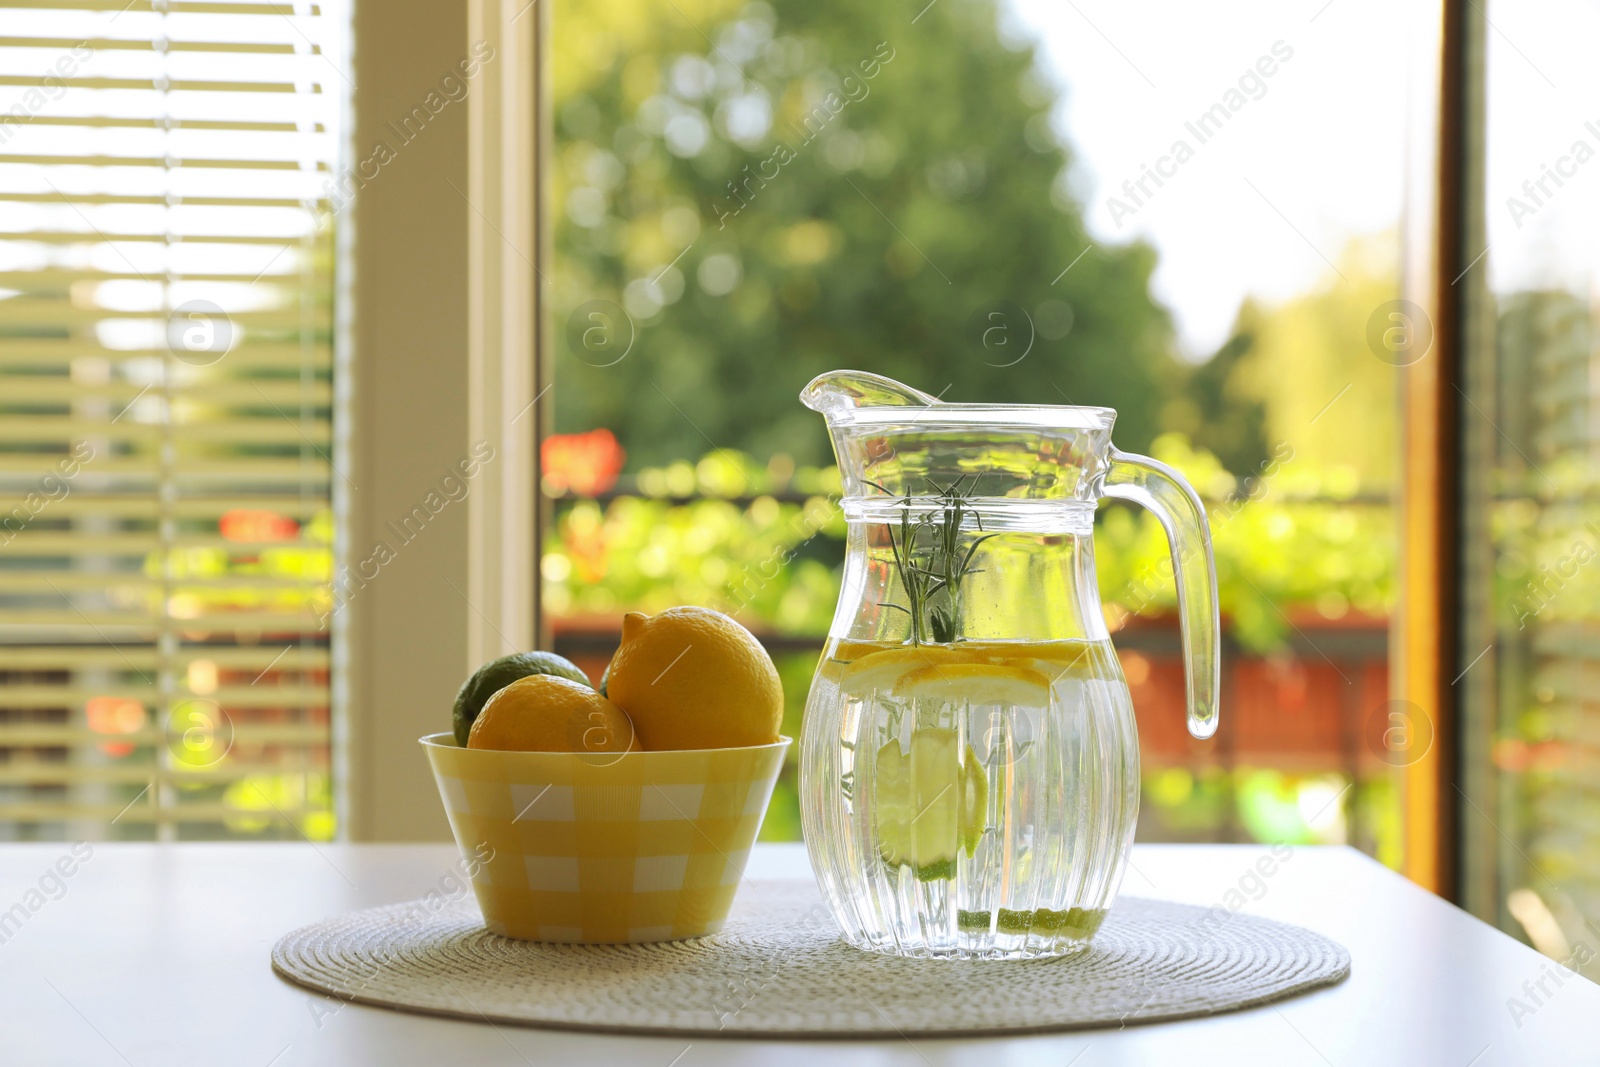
(442, 354)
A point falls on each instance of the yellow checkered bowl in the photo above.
(578, 846)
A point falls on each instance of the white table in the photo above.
(159, 955)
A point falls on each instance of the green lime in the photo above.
(494, 676)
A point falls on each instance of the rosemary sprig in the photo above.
(930, 560)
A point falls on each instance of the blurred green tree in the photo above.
(773, 191)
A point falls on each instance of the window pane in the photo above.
(165, 420)
(1019, 203)
(1533, 523)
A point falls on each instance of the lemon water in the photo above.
(972, 799)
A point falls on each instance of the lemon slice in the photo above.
(975, 683)
(1053, 659)
(881, 670)
(850, 651)
(832, 669)
(844, 654)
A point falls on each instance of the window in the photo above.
(748, 194)
(1202, 228)
(1529, 417)
(166, 404)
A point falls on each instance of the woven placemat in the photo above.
(779, 969)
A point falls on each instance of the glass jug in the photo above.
(969, 764)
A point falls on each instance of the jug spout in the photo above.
(893, 440)
(839, 391)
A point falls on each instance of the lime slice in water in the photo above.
(928, 804)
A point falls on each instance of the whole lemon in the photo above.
(495, 675)
(547, 713)
(694, 678)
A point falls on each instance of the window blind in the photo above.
(166, 412)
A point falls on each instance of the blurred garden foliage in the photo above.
(1297, 538)
(684, 538)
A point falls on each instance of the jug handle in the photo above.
(1181, 514)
